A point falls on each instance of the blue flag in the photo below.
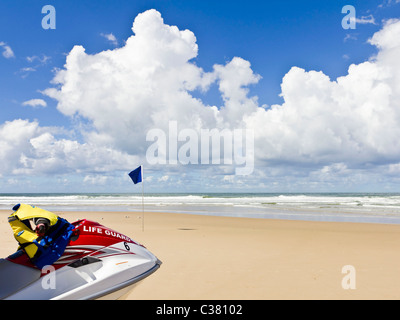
(136, 175)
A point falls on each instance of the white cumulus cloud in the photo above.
(366, 19)
(26, 148)
(324, 127)
(7, 51)
(110, 37)
(353, 119)
(35, 103)
(129, 90)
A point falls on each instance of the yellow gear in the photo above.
(26, 211)
(22, 233)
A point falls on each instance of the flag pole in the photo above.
(142, 199)
(137, 176)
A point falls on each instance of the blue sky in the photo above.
(272, 36)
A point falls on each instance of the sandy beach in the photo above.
(209, 257)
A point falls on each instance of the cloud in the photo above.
(35, 103)
(41, 60)
(234, 79)
(28, 69)
(349, 37)
(386, 39)
(163, 178)
(353, 119)
(127, 91)
(388, 3)
(24, 72)
(36, 62)
(110, 37)
(324, 127)
(7, 51)
(96, 179)
(29, 149)
(366, 19)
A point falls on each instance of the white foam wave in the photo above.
(322, 205)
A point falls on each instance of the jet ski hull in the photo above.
(99, 263)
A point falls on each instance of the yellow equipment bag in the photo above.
(22, 232)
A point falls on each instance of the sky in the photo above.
(209, 96)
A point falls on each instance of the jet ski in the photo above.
(98, 263)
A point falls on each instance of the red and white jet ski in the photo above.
(98, 263)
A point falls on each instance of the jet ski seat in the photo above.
(14, 277)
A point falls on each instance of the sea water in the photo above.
(351, 207)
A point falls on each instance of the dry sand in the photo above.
(208, 257)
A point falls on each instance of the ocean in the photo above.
(344, 207)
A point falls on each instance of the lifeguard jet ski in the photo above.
(98, 263)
